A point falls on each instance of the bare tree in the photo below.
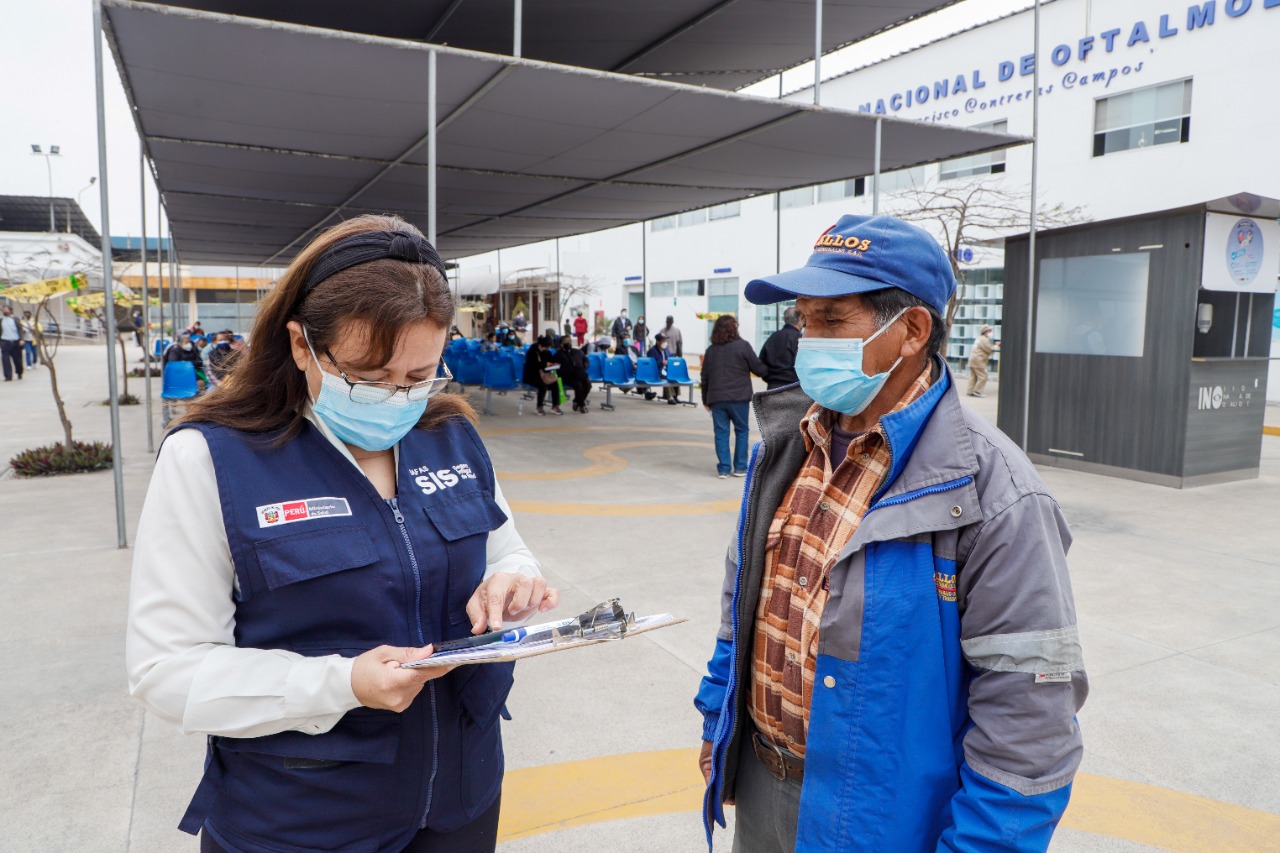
(970, 211)
(575, 290)
(36, 268)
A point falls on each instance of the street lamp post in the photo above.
(54, 151)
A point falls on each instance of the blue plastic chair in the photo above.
(647, 373)
(162, 344)
(618, 373)
(470, 369)
(177, 383)
(500, 376)
(678, 376)
(595, 366)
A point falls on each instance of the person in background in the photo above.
(675, 340)
(580, 328)
(537, 362)
(11, 346)
(29, 340)
(195, 329)
(727, 366)
(573, 372)
(136, 319)
(220, 357)
(640, 334)
(621, 331)
(490, 343)
(520, 324)
(779, 352)
(983, 347)
(658, 352)
(898, 666)
(184, 349)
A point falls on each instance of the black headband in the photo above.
(372, 246)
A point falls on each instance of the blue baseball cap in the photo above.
(860, 254)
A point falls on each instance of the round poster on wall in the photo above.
(1244, 251)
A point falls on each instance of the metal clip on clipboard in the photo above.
(605, 621)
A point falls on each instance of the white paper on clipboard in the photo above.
(500, 652)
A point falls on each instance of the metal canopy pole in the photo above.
(432, 217)
(875, 192)
(1031, 237)
(160, 261)
(518, 41)
(146, 304)
(817, 52)
(117, 470)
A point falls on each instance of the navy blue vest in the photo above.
(327, 566)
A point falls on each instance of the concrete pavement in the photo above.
(1175, 590)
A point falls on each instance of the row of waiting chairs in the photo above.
(618, 372)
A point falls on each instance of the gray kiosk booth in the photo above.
(1150, 345)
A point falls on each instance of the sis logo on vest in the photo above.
(437, 481)
(287, 512)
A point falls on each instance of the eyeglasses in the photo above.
(366, 391)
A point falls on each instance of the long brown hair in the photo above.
(725, 330)
(265, 392)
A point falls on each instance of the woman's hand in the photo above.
(379, 682)
(509, 597)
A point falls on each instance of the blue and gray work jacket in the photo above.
(324, 565)
(949, 669)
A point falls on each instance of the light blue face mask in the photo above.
(830, 371)
(371, 426)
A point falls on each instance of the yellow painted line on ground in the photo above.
(604, 460)
(552, 797)
(559, 796)
(628, 510)
(485, 433)
(1271, 430)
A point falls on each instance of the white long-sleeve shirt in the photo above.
(180, 647)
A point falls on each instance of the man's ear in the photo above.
(918, 323)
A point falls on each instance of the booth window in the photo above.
(989, 163)
(660, 289)
(1092, 305)
(1156, 115)
(722, 295)
(837, 190)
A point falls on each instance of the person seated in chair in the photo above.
(658, 352)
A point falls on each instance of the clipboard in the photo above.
(604, 623)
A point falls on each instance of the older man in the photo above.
(897, 667)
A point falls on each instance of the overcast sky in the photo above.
(47, 67)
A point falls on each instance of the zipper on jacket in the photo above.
(737, 589)
(413, 564)
(435, 755)
(920, 493)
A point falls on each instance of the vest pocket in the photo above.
(305, 556)
(363, 734)
(464, 522)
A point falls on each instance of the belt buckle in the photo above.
(781, 773)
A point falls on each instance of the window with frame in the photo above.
(662, 289)
(722, 295)
(693, 217)
(902, 179)
(724, 211)
(1156, 115)
(691, 287)
(799, 197)
(837, 190)
(987, 163)
(666, 223)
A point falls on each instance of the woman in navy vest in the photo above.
(323, 516)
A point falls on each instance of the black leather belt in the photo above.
(782, 764)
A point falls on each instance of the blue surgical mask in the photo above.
(371, 426)
(830, 371)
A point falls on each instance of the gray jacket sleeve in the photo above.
(1018, 632)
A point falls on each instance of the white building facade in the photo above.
(1145, 105)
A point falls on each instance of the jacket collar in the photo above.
(929, 439)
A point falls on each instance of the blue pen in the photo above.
(500, 637)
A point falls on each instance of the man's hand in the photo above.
(705, 406)
(704, 762)
(509, 597)
(379, 682)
